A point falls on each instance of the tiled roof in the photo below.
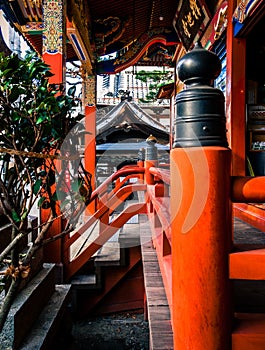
(128, 116)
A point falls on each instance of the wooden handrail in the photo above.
(111, 205)
(120, 173)
(162, 174)
(248, 189)
(109, 201)
(105, 235)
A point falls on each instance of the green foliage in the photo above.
(29, 106)
(35, 116)
(155, 80)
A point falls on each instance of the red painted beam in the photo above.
(162, 174)
(248, 265)
(251, 214)
(248, 189)
(120, 173)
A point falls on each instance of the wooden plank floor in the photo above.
(248, 295)
(160, 329)
(161, 335)
(245, 234)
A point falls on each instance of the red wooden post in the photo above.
(201, 235)
(54, 41)
(54, 46)
(90, 149)
(236, 94)
(201, 210)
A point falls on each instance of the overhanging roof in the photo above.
(110, 25)
(144, 27)
(128, 121)
(166, 91)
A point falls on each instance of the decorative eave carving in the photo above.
(79, 47)
(78, 14)
(108, 31)
(132, 53)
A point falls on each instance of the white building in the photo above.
(109, 85)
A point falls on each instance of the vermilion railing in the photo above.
(248, 189)
(159, 214)
(108, 197)
(107, 202)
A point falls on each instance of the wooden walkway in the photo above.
(158, 312)
(246, 235)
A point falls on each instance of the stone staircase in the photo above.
(114, 266)
(129, 248)
(35, 318)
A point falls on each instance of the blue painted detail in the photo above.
(76, 42)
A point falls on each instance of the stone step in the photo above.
(89, 281)
(129, 235)
(249, 332)
(108, 255)
(22, 315)
(248, 265)
(84, 282)
(48, 328)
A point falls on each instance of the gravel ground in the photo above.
(127, 331)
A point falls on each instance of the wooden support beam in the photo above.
(248, 265)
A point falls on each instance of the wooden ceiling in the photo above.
(116, 23)
(137, 17)
(110, 25)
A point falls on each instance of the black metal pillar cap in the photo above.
(200, 116)
(151, 150)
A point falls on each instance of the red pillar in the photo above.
(54, 39)
(54, 46)
(201, 242)
(201, 215)
(236, 94)
(90, 148)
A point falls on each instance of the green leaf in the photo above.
(37, 186)
(40, 201)
(5, 72)
(15, 116)
(41, 118)
(24, 215)
(15, 216)
(71, 91)
(61, 104)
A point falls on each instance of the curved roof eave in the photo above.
(118, 115)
